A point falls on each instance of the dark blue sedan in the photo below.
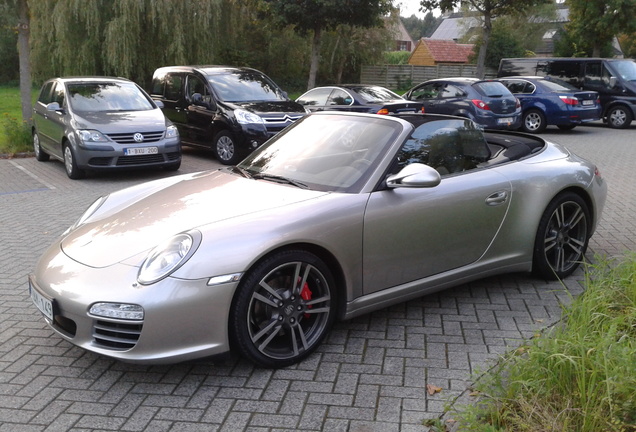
(546, 101)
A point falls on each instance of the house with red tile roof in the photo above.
(431, 52)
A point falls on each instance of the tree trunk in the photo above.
(25, 63)
(481, 57)
(315, 58)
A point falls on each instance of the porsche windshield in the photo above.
(325, 152)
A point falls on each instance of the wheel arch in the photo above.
(330, 261)
(585, 196)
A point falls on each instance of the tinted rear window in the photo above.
(491, 89)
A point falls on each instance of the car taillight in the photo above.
(423, 110)
(569, 100)
(383, 111)
(481, 104)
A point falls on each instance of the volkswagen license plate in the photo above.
(140, 151)
(42, 303)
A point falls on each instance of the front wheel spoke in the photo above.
(550, 242)
(576, 246)
(269, 289)
(272, 325)
(301, 336)
(560, 260)
(576, 217)
(266, 300)
(317, 310)
(318, 300)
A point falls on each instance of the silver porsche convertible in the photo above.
(338, 215)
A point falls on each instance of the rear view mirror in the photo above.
(415, 175)
(612, 81)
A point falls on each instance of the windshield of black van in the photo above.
(626, 69)
(244, 86)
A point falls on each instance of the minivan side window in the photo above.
(568, 71)
(196, 85)
(45, 94)
(597, 76)
(173, 87)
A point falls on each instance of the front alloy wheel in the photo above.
(70, 164)
(619, 117)
(534, 121)
(562, 237)
(283, 309)
(225, 149)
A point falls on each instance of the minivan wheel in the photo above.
(533, 121)
(70, 164)
(40, 155)
(619, 117)
(225, 148)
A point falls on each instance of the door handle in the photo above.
(497, 198)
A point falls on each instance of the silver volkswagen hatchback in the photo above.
(97, 123)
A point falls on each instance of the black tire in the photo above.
(562, 237)
(619, 117)
(70, 164)
(533, 121)
(173, 167)
(40, 155)
(566, 127)
(224, 148)
(283, 309)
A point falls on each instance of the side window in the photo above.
(450, 91)
(173, 85)
(317, 97)
(196, 85)
(58, 94)
(427, 91)
(339, 97)
(593, 75)
(45, 93)
(516, 86)
(568, 71)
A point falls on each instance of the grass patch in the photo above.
(577, 376)
(15, 134)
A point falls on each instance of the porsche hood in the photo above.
(178, 206)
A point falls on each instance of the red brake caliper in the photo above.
(305, 294)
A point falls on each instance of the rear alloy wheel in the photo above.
(70, 164)
(283, 309)
(40, 155)
(225, 149)
(619, 117)
(562, 237)
(533, 121)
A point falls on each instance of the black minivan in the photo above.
(231, 110)
(613, 79)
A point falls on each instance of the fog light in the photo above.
(254, 144)
(118, 310)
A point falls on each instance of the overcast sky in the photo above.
(410, 7)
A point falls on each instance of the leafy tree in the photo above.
(317, 16)
(419, 28)
(595, 23)
(488, 10)
(9, 68)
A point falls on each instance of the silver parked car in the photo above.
(98, 123)
(336, 216)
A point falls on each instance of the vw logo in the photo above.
(138, 137)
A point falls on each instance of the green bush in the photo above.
(17, 135)
(579, 375)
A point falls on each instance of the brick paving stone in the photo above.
(369, 375)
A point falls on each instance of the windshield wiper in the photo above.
(280, 179)
(242, 171)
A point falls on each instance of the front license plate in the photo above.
(42, 303)
(588, 102)
(505, 120)
(140, 151)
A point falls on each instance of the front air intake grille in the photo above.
(139, 159)
(116, 335)
(129, 138)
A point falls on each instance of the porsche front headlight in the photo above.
(167, 257)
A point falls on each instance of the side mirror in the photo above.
(197, 99)
(415, 175)
(54, 106)
(612, 81)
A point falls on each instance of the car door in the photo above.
(414, 233)
(168, 89)
(428, 95)
(50, 124)
(200, 111)
(452, 100)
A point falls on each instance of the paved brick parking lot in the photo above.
(370, 375)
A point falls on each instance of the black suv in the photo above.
(228, 109)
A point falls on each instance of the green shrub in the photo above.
(578, 375)
(17, 135)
